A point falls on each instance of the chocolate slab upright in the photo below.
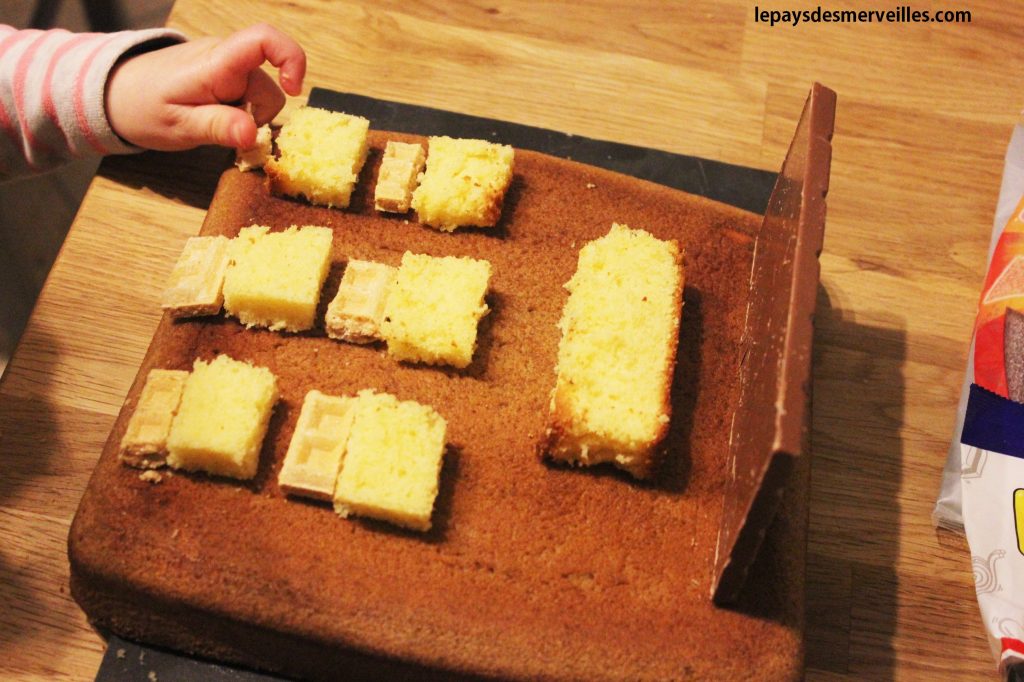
(769, 433)
(531, 570)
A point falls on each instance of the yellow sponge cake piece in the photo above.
(274, 278)
(464, 184)
(433, 307)
(222, 418)
(320, 155)
(620, 331)
(392, 461)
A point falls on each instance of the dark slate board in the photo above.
(129, 662)
(739, 186)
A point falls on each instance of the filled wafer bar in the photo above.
(256, 156)
(1013, 354)
(399, 172)
(144, 444)
(356, 312)
(317, 447)
(196, 285)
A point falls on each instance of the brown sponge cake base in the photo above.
(531, 570)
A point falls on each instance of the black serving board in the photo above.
(739, 186)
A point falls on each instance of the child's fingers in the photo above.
(245, 50)
(264, 95)
(220, 124)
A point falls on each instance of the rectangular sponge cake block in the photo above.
(464, 184)
(433, 307)
(392, 461)
(222, 418)
(274, 278)
(620, 330)
(320, 155)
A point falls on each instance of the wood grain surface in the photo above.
(925, 112)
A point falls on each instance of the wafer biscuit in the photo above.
(399, 172)
(314, 455)
(254, 157)
(196, 286)
(144, 444)
(357, 310)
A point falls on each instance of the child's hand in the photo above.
(180, 97)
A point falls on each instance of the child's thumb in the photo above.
(221, 124)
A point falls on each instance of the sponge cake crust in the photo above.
(520, 553)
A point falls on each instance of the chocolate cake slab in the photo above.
(531, 570)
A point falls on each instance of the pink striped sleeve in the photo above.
(52, 86)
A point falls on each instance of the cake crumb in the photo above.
(121, 653)
(591, 185)
(151, 476)
(152, 676)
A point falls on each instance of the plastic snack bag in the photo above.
(947, 513)
(983, 484)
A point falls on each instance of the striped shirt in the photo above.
(52, 88)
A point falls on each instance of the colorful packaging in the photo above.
(989, 489)
(947, 512)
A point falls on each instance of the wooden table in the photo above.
(925, 112)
